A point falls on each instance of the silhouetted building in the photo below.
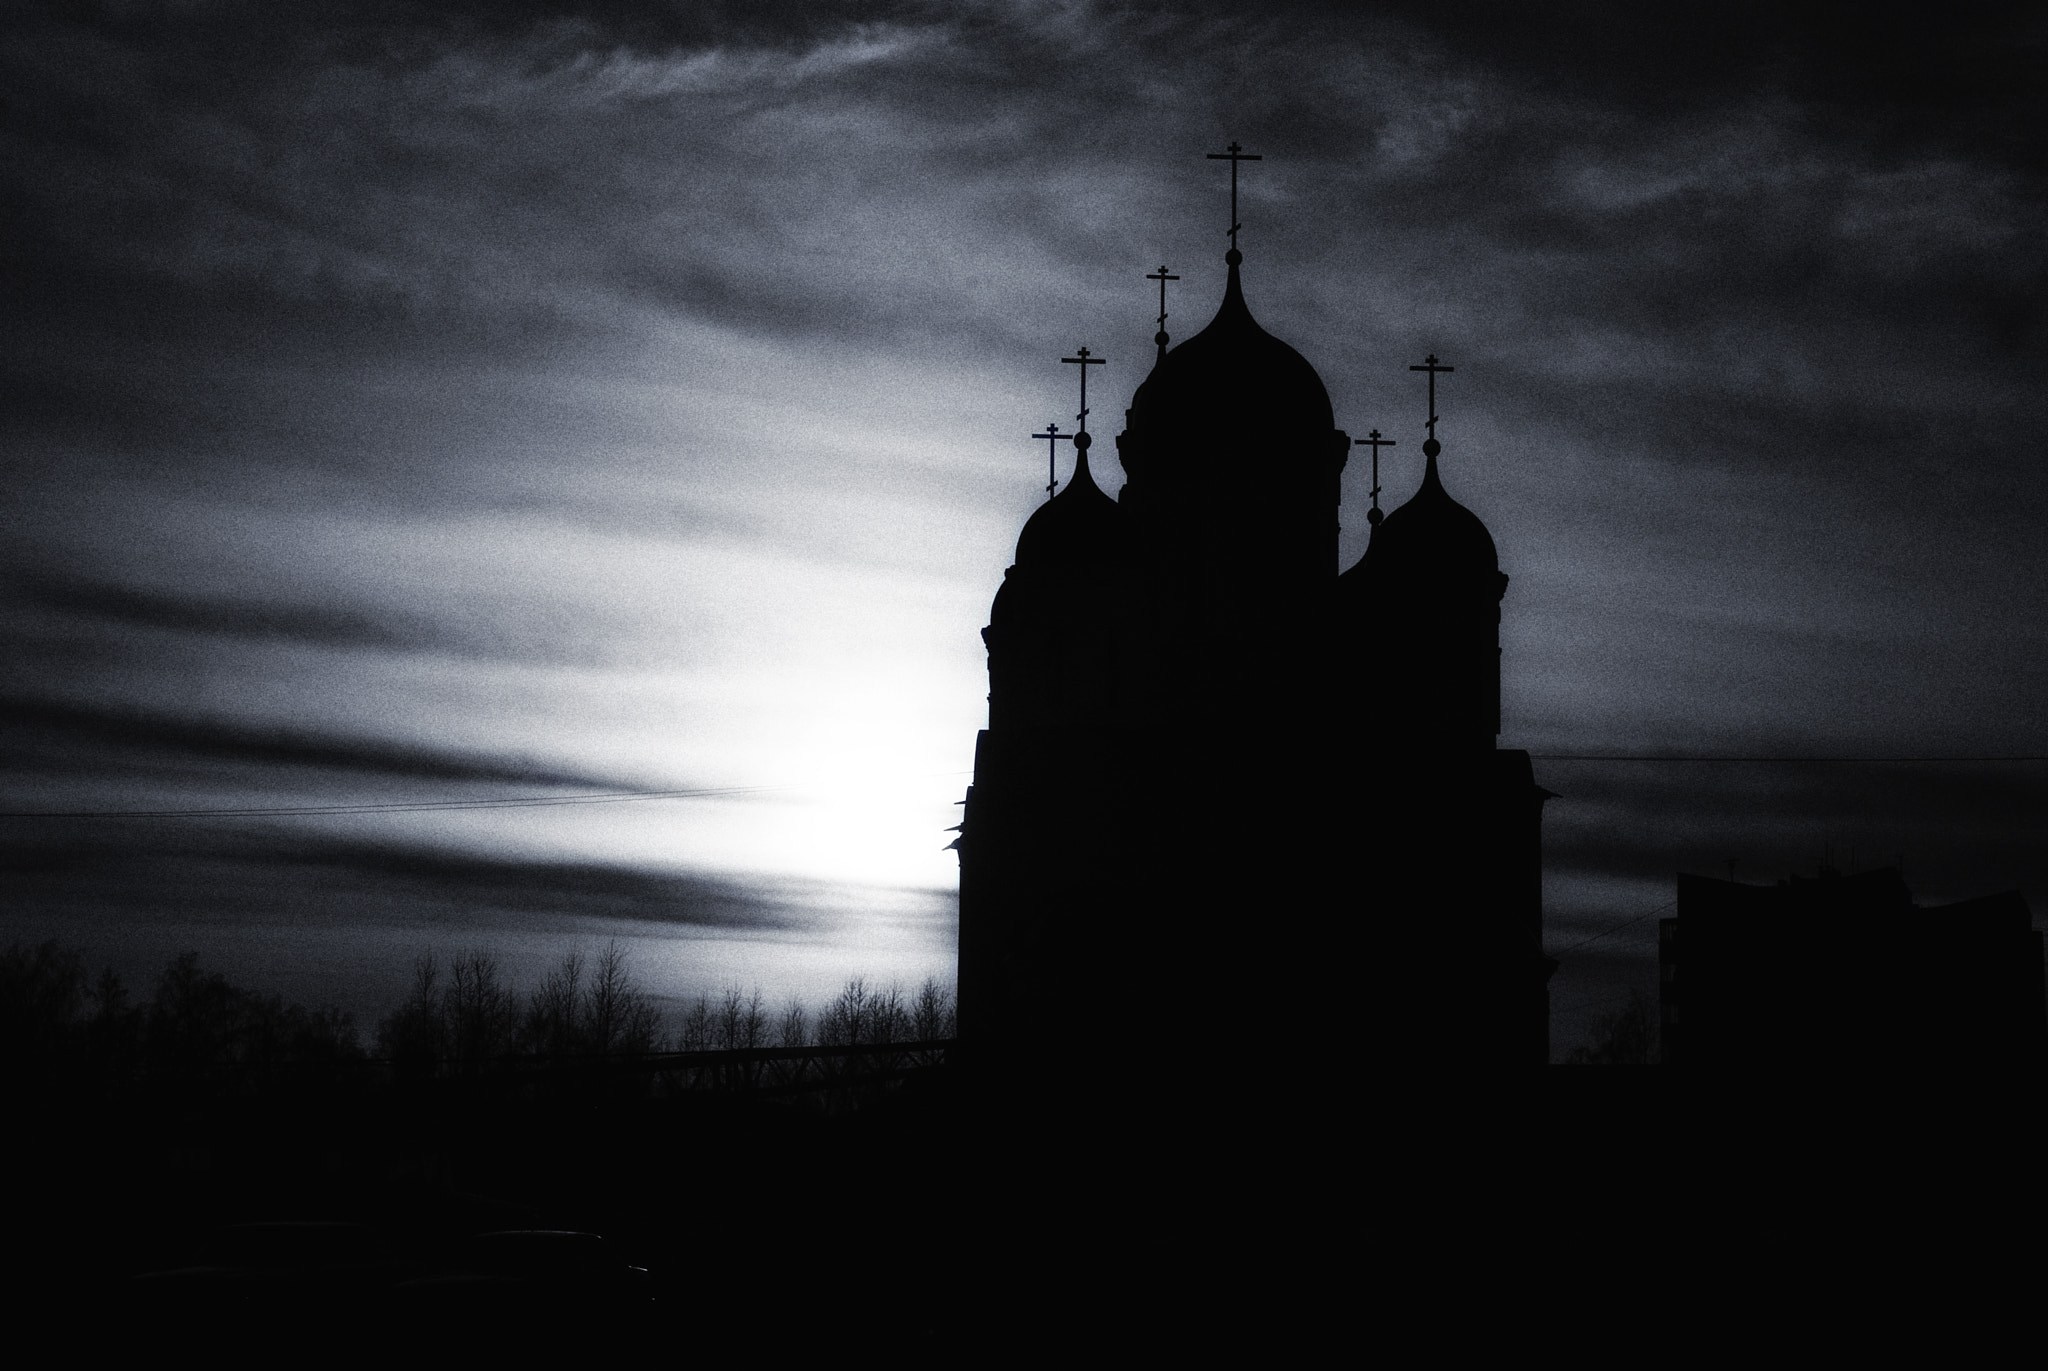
(1229, 792)
(1846, 972)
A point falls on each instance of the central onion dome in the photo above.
(1232, 374)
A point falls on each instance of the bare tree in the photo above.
(412, 1037)
(696, 1032)
(888, 1015)
(1627, 1037)
(114, 1040)
(932, 1016)
(554, 1014)
(742, 1023)
(848, 1019)
(42, 999)
(793, 1029)
(42, 993)
(737, 1024)
(617, 1015)
(480, 1013)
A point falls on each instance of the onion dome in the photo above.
(1432, 536)
(1232, 374)
(1425, 604)
(1078, 529)
(1052, 634)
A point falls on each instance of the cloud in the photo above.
(1963, 829)
(173, 871)
(1619, 832)
(81, 739)
(330, 919)
(1881, 74)
(328, 625)
(340, 922)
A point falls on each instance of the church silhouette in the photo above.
(1230, 803)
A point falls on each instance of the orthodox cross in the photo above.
(1235, 155)
(1160, 337)
(1430, 447)
(1086, 362)
(1052, 435)
(1375, 442)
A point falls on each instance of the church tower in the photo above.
(1456, 897)
(1218, 773)
(1039, 859)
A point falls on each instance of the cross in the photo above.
(1160, 337)
(1429, 365)
(1052, 435)
(1086, 362)
(1375, 442)
(1235, 155)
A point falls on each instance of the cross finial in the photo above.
(1052, 435)
(1375, 442)
(1086, 362)
(1430, 446)
(1234, 155)
(1160, 337)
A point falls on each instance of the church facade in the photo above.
(1228, 793)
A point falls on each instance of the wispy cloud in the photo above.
(68, 734)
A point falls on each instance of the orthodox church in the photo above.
(1229, 798)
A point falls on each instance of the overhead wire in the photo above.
(628, 796)
(1601, 1000)
(1597, 1001)
(1609, 932)
(415, 806)
(1647, 757)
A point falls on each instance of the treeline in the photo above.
(1629, 1036)
(66, 1028)
(465, 1015)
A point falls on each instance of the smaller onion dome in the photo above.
(1432, 536)
(1079, 528)
(1005, 608)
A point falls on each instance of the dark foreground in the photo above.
(934, 1224)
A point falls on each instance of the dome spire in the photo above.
(1160, 337)
(1233, 155)
(1081, 439)
(1434, 538)
(1085, 361)
(1375, 442)
(1052, 436)
(1430, 446)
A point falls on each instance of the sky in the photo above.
(422, 405)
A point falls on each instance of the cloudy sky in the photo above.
(416, 405)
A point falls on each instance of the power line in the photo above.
(625, 797)
(1616, 929)
(1597, 1001)
(395, 807)
(1605, 757)
(412, 806)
